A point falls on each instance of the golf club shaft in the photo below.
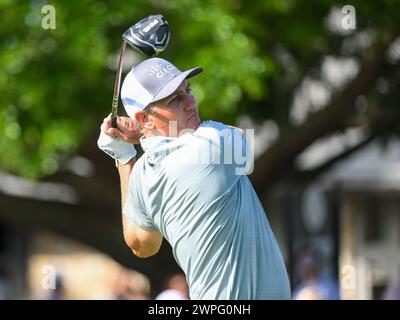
(114, 108)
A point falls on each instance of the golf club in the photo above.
(149, 36)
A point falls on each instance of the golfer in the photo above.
(191, 187)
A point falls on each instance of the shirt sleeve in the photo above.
(243, 155)
(134, 208)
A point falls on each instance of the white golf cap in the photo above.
(150, 81)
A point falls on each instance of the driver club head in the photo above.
(149, 36)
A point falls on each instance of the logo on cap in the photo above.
(159, 70)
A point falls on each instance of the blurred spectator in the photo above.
(392, 293)
(314, 286)
(59, 292)
(128, 286)
(176, 289)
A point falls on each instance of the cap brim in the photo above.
(174, 84)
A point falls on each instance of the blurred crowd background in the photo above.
(317, 80)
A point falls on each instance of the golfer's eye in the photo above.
(174, 101)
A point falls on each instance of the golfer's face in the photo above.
(179, 111)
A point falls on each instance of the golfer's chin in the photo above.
(189, 127)
(193, 122)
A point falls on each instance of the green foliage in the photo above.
(57, 85)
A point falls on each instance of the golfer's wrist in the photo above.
(130, 163)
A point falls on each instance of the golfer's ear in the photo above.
(143, 119)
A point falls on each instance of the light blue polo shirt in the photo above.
(195, 191)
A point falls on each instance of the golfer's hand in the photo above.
(118, 143)
(127, 129)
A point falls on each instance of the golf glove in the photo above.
(116, 148)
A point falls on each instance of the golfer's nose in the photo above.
(189, 102)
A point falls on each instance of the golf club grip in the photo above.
(113, 122)
(114, 111)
